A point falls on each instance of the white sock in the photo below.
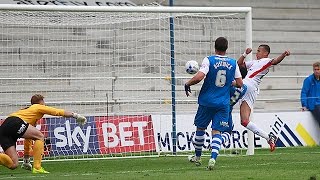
(256, 130)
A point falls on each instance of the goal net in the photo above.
(115, 65)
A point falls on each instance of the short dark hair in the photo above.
(265, 47)
(221, 44)
(35, 99)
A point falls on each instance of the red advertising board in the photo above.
(122, 134)
(102, 135)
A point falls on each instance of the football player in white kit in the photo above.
(257, 69)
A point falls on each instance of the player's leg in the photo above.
(26, 164)
(198, 144)
(227, 134)
(8, 145)
(10, 130)
(38, 148)
(246, 104)
(11, 162)
(245, 111)
(220, 123)
(202, 120)
(215, 148)
(6, 161)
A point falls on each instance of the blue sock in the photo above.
(215, 145)
(199, 142)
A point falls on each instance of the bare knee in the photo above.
(245, 122)
(33, 133)
(14, 165)
(40, 136)
(201, 129)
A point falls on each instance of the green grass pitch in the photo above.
(286, 163)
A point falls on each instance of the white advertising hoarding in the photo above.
(292, 128)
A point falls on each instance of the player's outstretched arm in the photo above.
(60, 112)
(280, 58)
(243, 56)
(79, 118)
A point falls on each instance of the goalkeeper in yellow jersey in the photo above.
(22, 124)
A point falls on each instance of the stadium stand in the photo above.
(283, 25)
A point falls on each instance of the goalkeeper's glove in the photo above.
(80, 119)
(187, 89)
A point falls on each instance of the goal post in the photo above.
(114, 65)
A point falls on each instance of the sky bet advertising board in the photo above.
(101, 135)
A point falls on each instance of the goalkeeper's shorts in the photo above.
(10, 130)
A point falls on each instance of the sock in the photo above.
(27, 147)
(199, 142)
(225, 137)
(256, 130)
(26, 160)
(5, 160)
(216, 145)
(37, 154)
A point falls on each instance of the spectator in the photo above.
(310, 92)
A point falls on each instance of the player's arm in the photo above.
(238, 78)
(61, 112)
(196, 79)
(201, 74)
(277, 60)
(241, 59)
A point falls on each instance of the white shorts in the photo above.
(251, 95)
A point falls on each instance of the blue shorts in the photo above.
(230, 122)
(218, 115)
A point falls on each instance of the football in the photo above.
(192, 67)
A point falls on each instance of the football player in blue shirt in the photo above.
(219, 73)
